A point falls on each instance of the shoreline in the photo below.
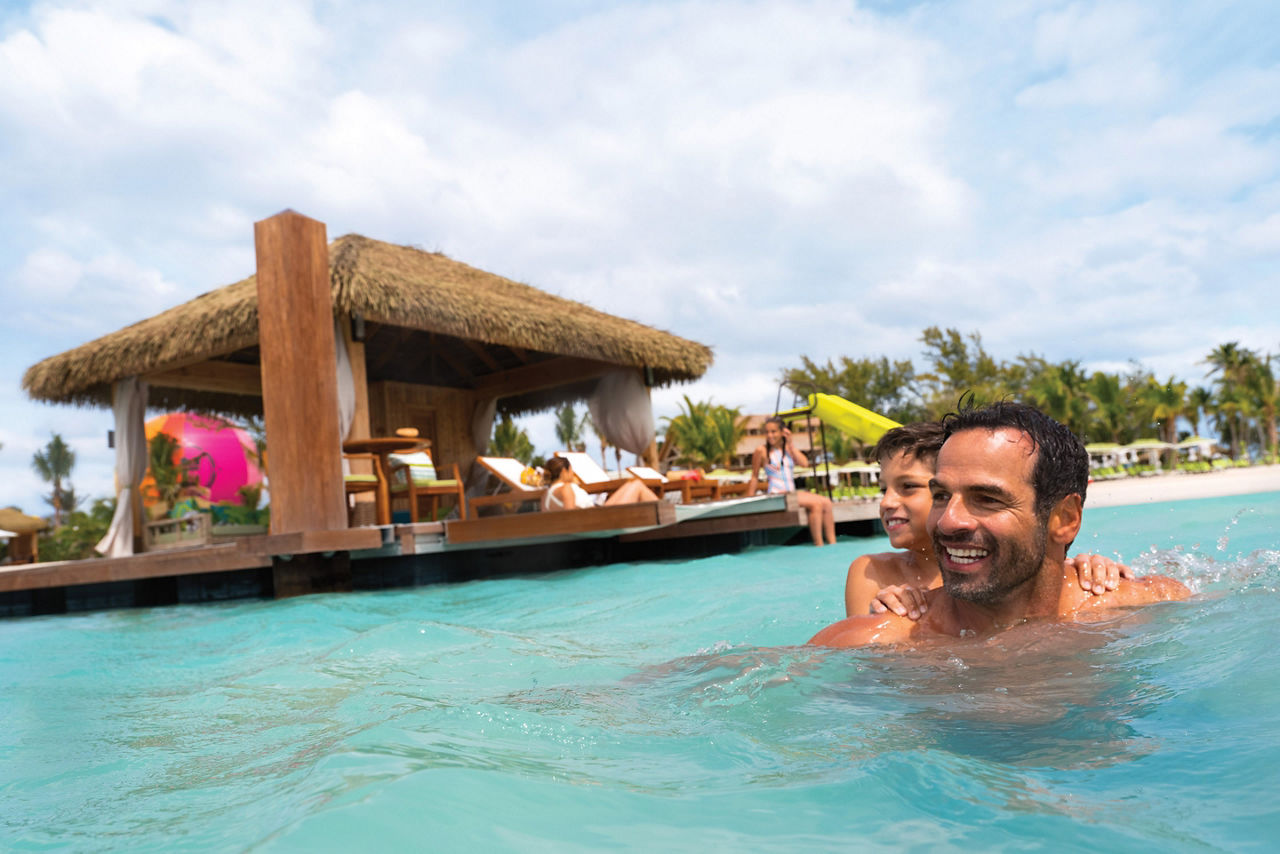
(1181, 486)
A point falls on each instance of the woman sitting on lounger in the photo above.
(563, 492)
(778, 457)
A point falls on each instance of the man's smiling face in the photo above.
(986, 535)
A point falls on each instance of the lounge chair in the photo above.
(590, 476)
(509, 471)
(413, 476)
(689, 489)
(732, 484)
(356, 483)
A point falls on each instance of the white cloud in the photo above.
(105, 289)
(1093, 55)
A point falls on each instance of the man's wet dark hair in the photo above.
(1062, 464)
(919, 439)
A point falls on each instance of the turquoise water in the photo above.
(659, 706)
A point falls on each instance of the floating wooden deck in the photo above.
(405, 555)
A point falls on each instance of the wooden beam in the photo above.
(299, 375)
(520, 353)
(312, 542)
(449, 360)
(543, 375)
(482, 354)
(213, 375)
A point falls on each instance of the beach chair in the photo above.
(413, 477)
(689, 489)
(509, 471)
(731, 485)
(590, 476)
(356, 483)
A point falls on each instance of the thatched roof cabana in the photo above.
(18, 522)
(427, 319)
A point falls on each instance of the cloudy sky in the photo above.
(1087, 180)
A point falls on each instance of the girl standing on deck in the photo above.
(778, 456)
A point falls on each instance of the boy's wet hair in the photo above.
(920, 439)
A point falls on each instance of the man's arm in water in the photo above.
(864, 630)
(1145, 590)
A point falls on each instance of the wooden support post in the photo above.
(360, 421)
(299, 374)
(300, 575)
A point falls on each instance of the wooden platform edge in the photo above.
(312, 542)
(193, 561)
(720, 525)
(559, 523)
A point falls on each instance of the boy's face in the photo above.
(905, 500)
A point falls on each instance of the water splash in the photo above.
(1203, 572)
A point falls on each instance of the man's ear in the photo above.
(1065, 519)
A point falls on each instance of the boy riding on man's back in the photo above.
(896, 581)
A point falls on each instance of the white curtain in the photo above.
(346, 381)
(130, 405)
(622, 412)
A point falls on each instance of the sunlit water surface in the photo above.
(659, 706)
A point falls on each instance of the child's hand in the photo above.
(903, 600)
(1097, 573)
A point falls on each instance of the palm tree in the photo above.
(1264, 397)
(1110, 410)
(1199, 402)
(1231, 363)
(569, 428)
(704, 434)
(727, 429)
(510, 441)
(1061, 391)
(1167, 402)
(54, 465)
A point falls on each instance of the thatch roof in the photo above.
(19, 522)
(395, 285)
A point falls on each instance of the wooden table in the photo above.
(382, 447)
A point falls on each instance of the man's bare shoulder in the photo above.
(864, 630)
(1145, 590)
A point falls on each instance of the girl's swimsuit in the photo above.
(779, 475)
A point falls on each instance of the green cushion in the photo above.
(360, 478)
(420, 484)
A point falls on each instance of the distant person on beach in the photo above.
(779, 456)
(564, 493)
(897, 581)
(1007, 502)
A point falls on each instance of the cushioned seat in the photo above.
(413, 477)
(355, 483)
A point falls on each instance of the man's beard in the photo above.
(1012, 564)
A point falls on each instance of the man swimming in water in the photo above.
(1007, 502)
(897, 581)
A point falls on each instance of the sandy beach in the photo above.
(1181, 486)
